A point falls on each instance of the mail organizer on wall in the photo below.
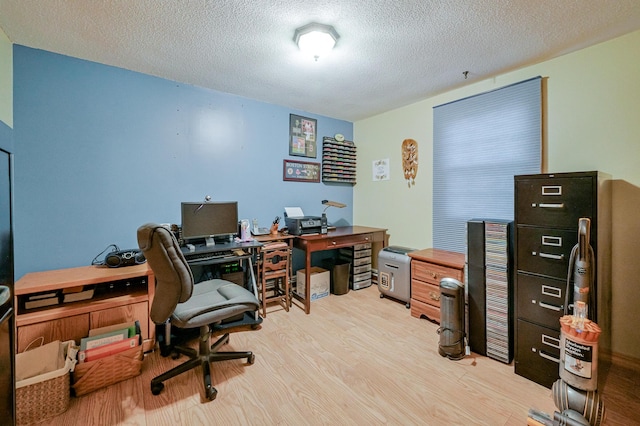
(338, 161)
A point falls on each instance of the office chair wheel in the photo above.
(175, 354)
(156, 388)
(381, 296)
(251, 359)
(165, 350)
(407, 305)
(211, 393)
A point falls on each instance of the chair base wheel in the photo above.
(251, 359)
(165, 351)
(156, 388)
(211, 393)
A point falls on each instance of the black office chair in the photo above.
(214, 306)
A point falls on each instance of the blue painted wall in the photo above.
(100, 150)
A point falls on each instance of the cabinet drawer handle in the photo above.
(549, 357)
(552, 256)
(552, 307)
(333, 242)
(434, 296)
(433, 274)
(551, 205)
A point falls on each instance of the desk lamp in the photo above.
(324, 226)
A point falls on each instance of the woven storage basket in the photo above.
(93, 375)
(41, 397)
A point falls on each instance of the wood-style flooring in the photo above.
(356, 359)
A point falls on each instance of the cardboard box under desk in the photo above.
(320, 282)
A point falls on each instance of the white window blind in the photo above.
(479, 144)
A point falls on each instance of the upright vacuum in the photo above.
(575, 393)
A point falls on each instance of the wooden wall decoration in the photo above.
(410, 160)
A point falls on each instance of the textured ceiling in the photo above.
(391, 52)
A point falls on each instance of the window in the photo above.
(479, 144)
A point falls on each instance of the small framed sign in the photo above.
(303, 133)
(300, 171)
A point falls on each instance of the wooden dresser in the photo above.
(428, 267)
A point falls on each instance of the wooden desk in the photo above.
(121, 294)
(342, 236)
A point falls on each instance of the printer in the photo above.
(300, 225)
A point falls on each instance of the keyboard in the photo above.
(203, 257)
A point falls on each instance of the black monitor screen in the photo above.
(209, 219)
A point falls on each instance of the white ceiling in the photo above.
(391, 52)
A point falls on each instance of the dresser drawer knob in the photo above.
(433, 274)
(434, 296)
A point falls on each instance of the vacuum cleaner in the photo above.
(575, 393)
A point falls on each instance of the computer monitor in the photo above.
(209, 220)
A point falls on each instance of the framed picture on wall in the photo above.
(300, 171)
(303, 133)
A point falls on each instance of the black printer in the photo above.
(301, 225)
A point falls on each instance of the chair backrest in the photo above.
(174, 280)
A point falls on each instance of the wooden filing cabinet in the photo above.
(547, 210)
(428, 267)
(121, 295)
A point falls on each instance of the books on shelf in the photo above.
(77, 296)
(39, 303)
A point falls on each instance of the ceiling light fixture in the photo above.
(316, 39)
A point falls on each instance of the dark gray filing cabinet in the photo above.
(547, 210)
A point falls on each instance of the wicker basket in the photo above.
(94, 375)
(47, 395)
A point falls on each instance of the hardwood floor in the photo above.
(355, 360)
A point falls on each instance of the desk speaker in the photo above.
(122, 258)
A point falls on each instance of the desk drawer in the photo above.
(347, 241)
(432, 273)
(418, 309)
(425, 292)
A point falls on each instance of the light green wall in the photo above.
(6, 80)
(592, 123)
